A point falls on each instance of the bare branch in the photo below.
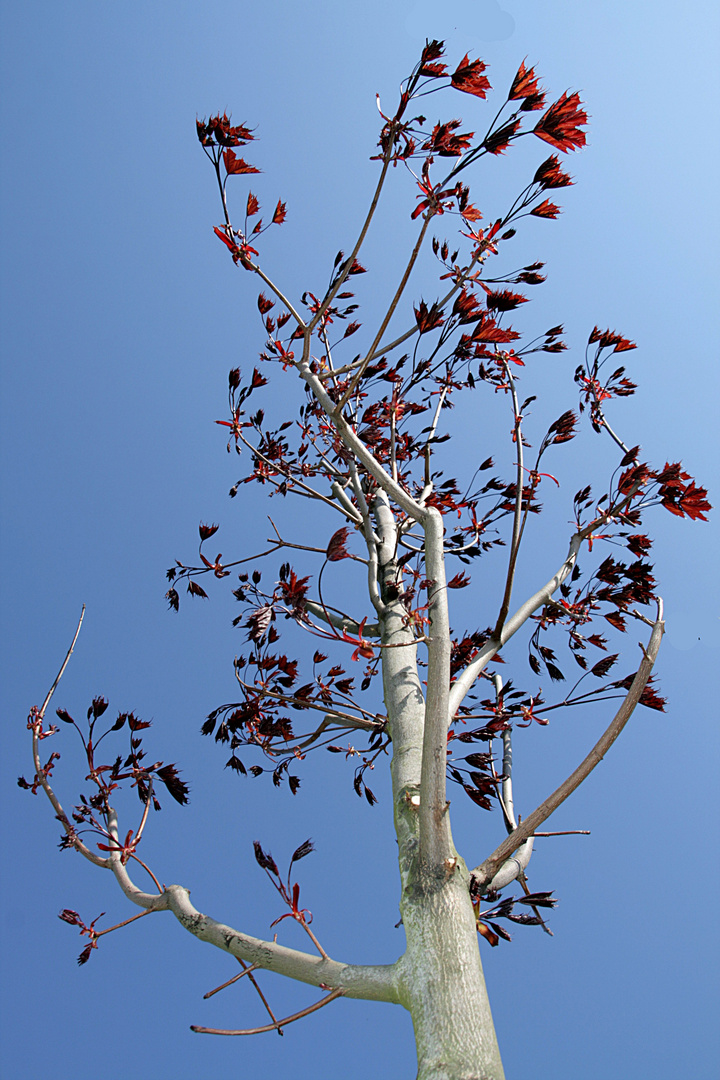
(358, 243)
(341, 622)
(35, 724)
(278, 1023)
(61, 672)
(486, 873)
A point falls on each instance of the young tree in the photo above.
(365, 445)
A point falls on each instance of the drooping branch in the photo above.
(484, 874)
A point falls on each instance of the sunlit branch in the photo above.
(486, 872)
(341, 622)
(388, 315)
(513, 868)
(467, 677)
(616, 438)
(397, 493)
(342, 498)
(370, 541)
(435, 842)
(431, 435)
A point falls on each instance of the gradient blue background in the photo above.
(121, 316)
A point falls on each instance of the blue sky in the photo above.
(120, 319)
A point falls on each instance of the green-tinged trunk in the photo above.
(441, 982)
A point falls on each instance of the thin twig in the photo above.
(61, 672)
(234, 979)
(272, 1027)
(388, 316)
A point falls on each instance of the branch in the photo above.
(372, 547)
(341, 622)
(358, 244)
(518, 521)
(283, 299)
(65, 662)
(488, 870)
(374, 982)
(35, 724)
(435, 842)
(356, 446)
(388, 315)
(467, 677)
(278, 1023)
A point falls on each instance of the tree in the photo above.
(364, 446)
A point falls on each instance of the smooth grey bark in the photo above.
(441, 981)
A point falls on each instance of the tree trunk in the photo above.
(441, 980)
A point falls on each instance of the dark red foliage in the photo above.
(336, 549)
(235, 166)
(444, 142)
(546, 209)
(525, 86)
(469, 77)
(561, 124)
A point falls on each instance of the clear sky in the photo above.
(121, 316)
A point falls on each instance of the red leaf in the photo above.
(433, 51)
(525, 85)
(446, 144)
(504, 300)
(468, 77)
(500, 140)
(428, 320)
(460, 581)
(280, 213)
(252, 205)
(546, 209)
(550, 175)
(336, 549)
(487, 933)
(560, 125)
(235, 165)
